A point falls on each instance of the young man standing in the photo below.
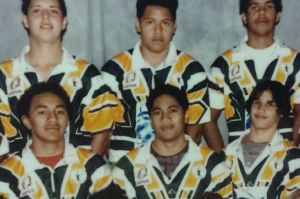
(46, 60)
(154, 61)
(50, 167)
(171, 165)
(260, 56)
(263, 163)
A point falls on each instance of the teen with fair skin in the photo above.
(263, 163)
(49, 167)
(154, 60)
(260, 56)
(45, 59)
(171, 159)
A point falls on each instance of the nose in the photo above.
(261, 10)
(52, 116)
(165, 116)
(45, 13)
(158, 28)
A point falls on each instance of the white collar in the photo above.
(139, 62)
(276, 144)
(67, 64)
(144, 155)
(240, 51)
(30, 161)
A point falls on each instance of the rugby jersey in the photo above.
(274, 174)
(233, 77)
(79, 174)
(132, 79)
(91, 99)
(139, 175)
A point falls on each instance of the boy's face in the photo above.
(261, 17)
(167, 118)
(45, 20)
(156, 28)
(47, 118)
(264, 114)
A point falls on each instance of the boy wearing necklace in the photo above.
(264, 164)
(171, 165)
(48, 166)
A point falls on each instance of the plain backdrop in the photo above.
(98, 29)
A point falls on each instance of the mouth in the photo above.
(50, 127)
(260, 117)
(46, 26)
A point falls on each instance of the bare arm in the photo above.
(100, 142)
(296, 124)
(212, 133)
(195, 132)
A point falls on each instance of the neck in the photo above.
(41, 55)
(169, 148)
(262, 135)
(260, 42)
(154, 58)
(47, 149)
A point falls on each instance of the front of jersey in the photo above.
(274, 174)
(233, 77)
(139, 175)
(134, 78)
(83, 83)
(79, 174)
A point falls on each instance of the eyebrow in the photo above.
(44, 106)
(172, 106)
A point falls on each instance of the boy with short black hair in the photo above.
(48, 166)
(171, 165)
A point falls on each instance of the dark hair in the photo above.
(279, 93)
(210, 195)
(141, 5)
(172, 91)
(244, 5)
(26, 4)
(41, 88)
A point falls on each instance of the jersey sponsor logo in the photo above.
(26, 187)
(288, 68)
(79, 176)
(235, 73)
(141, 176)
(75, 83)
(199, 171)
(130, 80)
(14, 87)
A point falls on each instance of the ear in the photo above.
(186, 118)
(137, 26)
(25, 21)
(26, 122)
(278, 17)
(244, 18)
(65, 23)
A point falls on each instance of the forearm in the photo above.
(213, 136)
(100, 142)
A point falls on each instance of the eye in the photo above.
(254, 7)
(166, 23)
(54, 11)
(174, 110)
(61, 111)
(155, 113)
(35, 10)
(270, 6)
(41, 112)
(149, 22)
